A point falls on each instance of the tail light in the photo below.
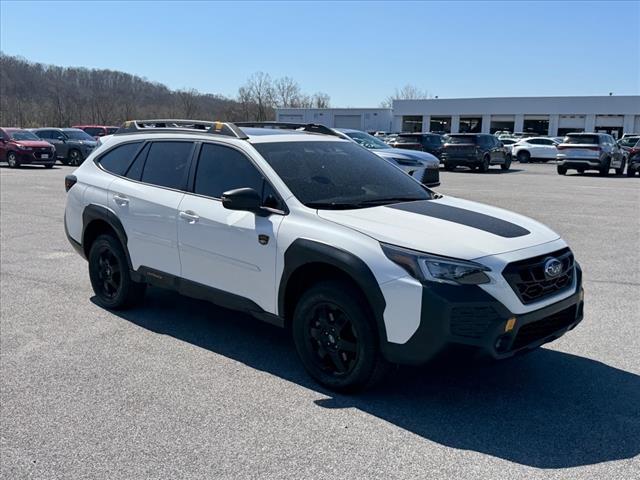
(634, 150)
(69, 181)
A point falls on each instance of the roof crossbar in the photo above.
(177, 125)
(302, 127)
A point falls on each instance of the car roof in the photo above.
(71, 129)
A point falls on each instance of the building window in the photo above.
(412, 123)
(470, 124)
(440, 125)
(539, 127)
(501, 126)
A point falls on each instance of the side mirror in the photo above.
(245, 199)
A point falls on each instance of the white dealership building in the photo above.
(543, 115)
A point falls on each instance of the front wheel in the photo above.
(12, 160)
(484, 166)
(562, 170)
(110, 277)
(604, 169)
(449, 167)
(620, 169)
(630, 172)
(336, 338)
(507, 164)
(48, 165)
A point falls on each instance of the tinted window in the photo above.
(338, 174)
(93, 131)
(167, 164)
(23, 135)
(221, 169)
(534, 141)
(111, 130)
(135, 170)
(461, 139)
(78, 134)
(118, 160)
(582, 139)
(43, 133)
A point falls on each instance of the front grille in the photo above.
(528, 280)
(472, 322)
(535, 331)
(431, 175)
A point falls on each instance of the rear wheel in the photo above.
(48, 165)
(449, 167)
(335, 338)
(620, 169)
(562, 170)
(604, 169)
(507, 163)
(630, 172)
(12, 160)
(110, 277)
(75, 157)
(484, 166)
(581, 170)
(523, 156)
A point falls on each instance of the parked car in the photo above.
(535, 148)
(97, 131)
(430, 142)
(474, 150)
(72, 144)
(423, 166)
(508, 143)
(590, 151)
(405, 143)
(317, 234)
(628, 142)
(21, 147)
(633, 165)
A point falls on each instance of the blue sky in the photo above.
(356, 52)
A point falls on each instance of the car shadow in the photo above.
(546, 410)
(30, 167)
(492, 171)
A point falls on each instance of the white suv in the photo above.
(311, 232)
(534, 148)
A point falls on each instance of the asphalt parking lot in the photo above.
(180, 388)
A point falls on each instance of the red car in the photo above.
(21, 147)
(97, 131)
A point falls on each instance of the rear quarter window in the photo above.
(119, 158)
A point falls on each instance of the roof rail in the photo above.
(302, 127)
(176, 125)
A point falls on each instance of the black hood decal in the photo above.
(469, 218)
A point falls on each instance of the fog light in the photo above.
(502, 343)
(510, 324)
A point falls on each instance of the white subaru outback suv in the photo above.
(311, 232)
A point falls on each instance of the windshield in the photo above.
(339, 175)
(23, 135)
(461, 139)
(368, 141)
(581, 139)
(629, 141)
(405, 140)
(78, 135)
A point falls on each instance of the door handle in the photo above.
(189, 216)
(121, 200)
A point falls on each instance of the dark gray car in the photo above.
(72, 144)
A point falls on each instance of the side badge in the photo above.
(263, 239)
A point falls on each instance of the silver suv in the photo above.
(590, 151)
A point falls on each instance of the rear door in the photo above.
(147, 203)
(4, 140)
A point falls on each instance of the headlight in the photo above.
(431, 268)
(22, 147)
(407, 162)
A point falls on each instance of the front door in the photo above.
(232, 251)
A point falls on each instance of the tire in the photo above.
(48, 165)
(630, 173)
(64, 161)
(620, 169)
(581, 171)
(12, 160)
(449, 167)
(523, 156)
(110, 277)
(75, 157)
(604, 170)
(335, 338)
(484, 166)
(507, 164)
(562, 170)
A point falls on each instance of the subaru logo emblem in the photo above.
(552, 268)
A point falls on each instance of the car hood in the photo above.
(446, 226)
(424, 157)
(33, 143)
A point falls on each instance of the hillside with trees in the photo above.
(35, 94)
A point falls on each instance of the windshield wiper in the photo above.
(387, 200)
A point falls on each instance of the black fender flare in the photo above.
(94, 212)
(304, 251)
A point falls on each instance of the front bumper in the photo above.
(468, 317)
(34, 158)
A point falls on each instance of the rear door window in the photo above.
(118, 159)
(167, 164)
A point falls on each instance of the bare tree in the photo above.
(321, 100)
(188, 101)
(287, 92)
(408, 92)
